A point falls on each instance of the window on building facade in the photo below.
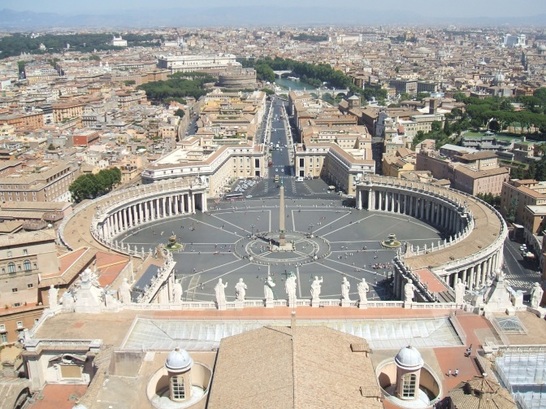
(27, 266)
(3, 337)
(11, 267)
(408, 385)
(177, 387)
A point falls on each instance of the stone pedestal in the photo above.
(510, 311)
(269, 303)
(408, 304)
(315, 302)
(239, 305)
(345, 303)
(539, 311)
(362, 305)
(221, 306)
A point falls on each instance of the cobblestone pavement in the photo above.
(215, 245)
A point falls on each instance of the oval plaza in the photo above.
(469, 246)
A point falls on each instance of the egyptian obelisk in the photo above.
(282, 238)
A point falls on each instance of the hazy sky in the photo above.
(428, 8)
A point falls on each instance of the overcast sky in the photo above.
(428, 8)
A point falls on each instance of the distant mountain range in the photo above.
(273, 15)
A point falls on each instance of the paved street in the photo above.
(520, 273)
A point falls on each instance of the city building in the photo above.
(119, 41)
(43, 181)
(25, 258)
(189, 62)
(475, 173)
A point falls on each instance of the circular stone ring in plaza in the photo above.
(301, 248)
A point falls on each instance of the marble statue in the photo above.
(220, 291)
(316, 287)
(409, 291)
(363, 289)
(460, 289)
(345, 287)
(52, 295)
(68, 302)
(536, 295)
(240, 290)
(177, 292)
(290, 287)
(124, 292)
(110, 300)
(268, 288)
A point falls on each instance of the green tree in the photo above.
(436, 127)
(84, 187)
(89, 186)
(264, 72)
(180, 113)
(540, 172)
(422, 95)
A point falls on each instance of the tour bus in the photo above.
(234, 196)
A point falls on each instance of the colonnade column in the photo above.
(371, 199)
(204, 205)
(191, 208)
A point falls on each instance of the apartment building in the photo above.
(232, 115)
(401, 161)
(339, 167)
(64, 111)
(466, 177)
(523, 201)
(42, 181)
(24, 257)
(27, 121)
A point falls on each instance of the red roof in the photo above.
(59, 396)
(109, 266)
(434, 284)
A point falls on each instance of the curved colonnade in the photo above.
(473, 231)
(118, 212)
(471, 250)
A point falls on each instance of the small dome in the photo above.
(178, 361)
(409, 358)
